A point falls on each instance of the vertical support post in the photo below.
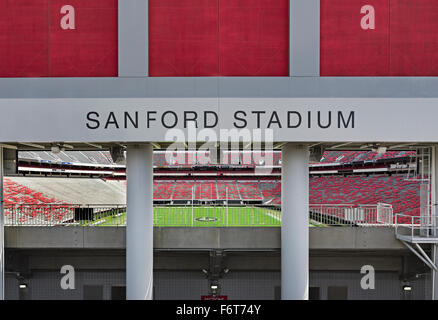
(139, 225)
(434, 187)
(295, 222)
(2, 232)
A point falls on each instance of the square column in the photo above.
(434, 249)
(295, 222)
(139, 225)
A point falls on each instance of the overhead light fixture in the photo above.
(407, 288)
(213, 287)
(118, 154)
(22, 286)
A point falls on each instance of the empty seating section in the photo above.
(262, 158)
(249, 190)
(86, 157)
(277, 158)
(232, 158)
(183, 190)
(209, 189)
(206, 190)
(271, 191)
(227, 187)
(247, 158)
(159, 159)
(188, 158)
(352, 156)
(163, 190)
(35, 204)
(402, 194)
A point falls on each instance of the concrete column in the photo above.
(139, 228)
(295, 222)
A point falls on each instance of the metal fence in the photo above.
(59, 214)
(164, 216)
(423, 227)
(380, 214)
(197, 215)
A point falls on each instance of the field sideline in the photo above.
(204, 216)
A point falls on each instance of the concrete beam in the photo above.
(304, 38)
(181, 238)
(340, 238)
(27, 260)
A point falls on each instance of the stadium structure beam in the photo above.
(139, 226)
(295, 222)
(304, 38)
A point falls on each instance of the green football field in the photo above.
(206, 216)
(199, 217)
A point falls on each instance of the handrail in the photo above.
(426, 225)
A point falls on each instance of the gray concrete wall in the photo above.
(178, 274)
(260, 238)
(190, 285)
(226, 87)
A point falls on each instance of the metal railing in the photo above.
(424, 226)
(380, 214)
(164, 216)
(197, 215)
(59, 214)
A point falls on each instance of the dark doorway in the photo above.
(314, 293)
(118, 293)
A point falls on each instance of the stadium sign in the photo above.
(150, 119)
(169, 119)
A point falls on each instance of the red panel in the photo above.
(91, 48)
(183, 37)
(218, 37)
(254, 37)
(414, 38)
(32, 43)
(347, 49)
(23, 38)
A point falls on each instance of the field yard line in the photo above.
(273, 216)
